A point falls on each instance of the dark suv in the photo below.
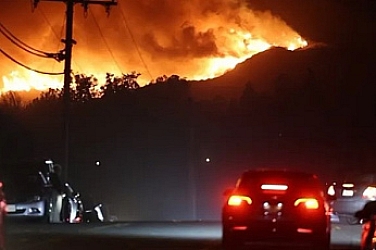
(278, 208)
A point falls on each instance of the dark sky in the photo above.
(156, 37)
(330, 21)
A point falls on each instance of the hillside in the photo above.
(331, 68)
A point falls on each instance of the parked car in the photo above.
(277, 208)
(35, 190)
(353, 192)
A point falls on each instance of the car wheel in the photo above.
(66, 211)
(47, 217)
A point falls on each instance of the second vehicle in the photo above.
(280, 208)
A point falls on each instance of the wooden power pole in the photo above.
(67, 52)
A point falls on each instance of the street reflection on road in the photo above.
(140, 235)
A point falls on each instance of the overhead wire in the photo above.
(125, 23)
(58, 36)
(105, 42)
(29, 49)
(13, 39)
(27, 67)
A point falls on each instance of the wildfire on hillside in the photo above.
(193, 39)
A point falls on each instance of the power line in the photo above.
(13, 39)
(27, 67)
(104, 40)
(58, 36)
(134, 41)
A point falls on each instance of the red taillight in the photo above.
(274, 187)
(308, 203)
(369, 193)
(237, 200)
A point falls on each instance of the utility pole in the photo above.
(67, 55)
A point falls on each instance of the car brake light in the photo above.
(309, 203)
(331, 191)
(370, 193)
(274, 187)
(237, 200)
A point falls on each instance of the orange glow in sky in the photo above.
(192, 39)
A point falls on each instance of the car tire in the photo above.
(47, 217)
(66, 211)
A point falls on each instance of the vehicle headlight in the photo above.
(370, 193)
(331, 190)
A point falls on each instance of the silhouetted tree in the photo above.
(10, 101)
(85, 88)
(130, 80)
(116, 85)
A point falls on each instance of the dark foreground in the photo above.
(139, 235)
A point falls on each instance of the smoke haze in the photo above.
(193, 39)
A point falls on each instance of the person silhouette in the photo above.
(57, 194)
(368, 217)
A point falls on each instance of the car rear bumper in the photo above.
(283, 239)
(286, 231)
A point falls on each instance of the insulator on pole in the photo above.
(85, 5)
(34, 4)
(108, 8)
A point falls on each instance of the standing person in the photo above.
(2, 217)
(57, 195)
(368, 216)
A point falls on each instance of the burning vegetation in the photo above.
(192, 39)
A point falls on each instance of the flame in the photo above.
(29, 80)
(200, 45)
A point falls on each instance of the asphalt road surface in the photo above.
(139, 235)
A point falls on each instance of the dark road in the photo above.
(139, 235)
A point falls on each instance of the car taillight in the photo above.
(275, 187)
(237, 200)
(308, 203)
(370, 193)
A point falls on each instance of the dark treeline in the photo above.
(153, 141)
